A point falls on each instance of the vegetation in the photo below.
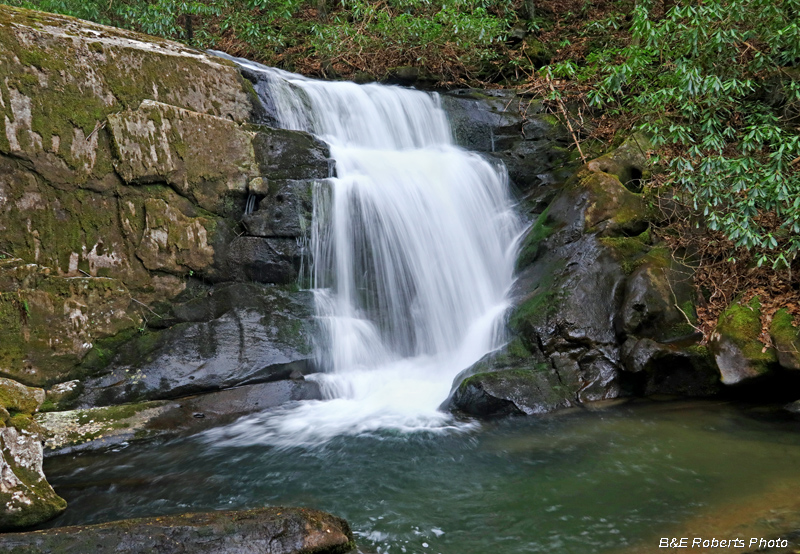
(716, 84)
(451, 39)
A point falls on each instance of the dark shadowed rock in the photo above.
(675, 369)
(239, 334)
(284, 212)
(272, 530)
(264, 260)
(283, 154)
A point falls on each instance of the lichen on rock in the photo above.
(26, 498)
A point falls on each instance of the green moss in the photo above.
(630, 252)
(539, 231)
(782, 327)
(541, 304)
(103, 352)
(742, 325)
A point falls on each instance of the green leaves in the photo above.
(698, 78)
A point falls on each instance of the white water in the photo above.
(413, 246)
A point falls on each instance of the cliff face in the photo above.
(128, 270)
(126, 162)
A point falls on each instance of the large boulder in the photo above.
(110, 209)
(786, 337)
(273, 530)
(598, 310)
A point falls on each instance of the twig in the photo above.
(97, 127)
(566, 117)
(675, 303)
(795, 161)
(148, 307)
(82, 271)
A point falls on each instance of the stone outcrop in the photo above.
(136, 197)
(273, 530)
(599, 311)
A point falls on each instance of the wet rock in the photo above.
(735, 344)
(512, 381)
(786, 337)
(283, 154)
(658, 298)
(482, 122)
(510, 392)
(26, 498)
(104, 427)
(264, 260)
(273, 530)
(285, 211)
(241, 333)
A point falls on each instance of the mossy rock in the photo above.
(786, 337)
(735, 343)
(513, 392)
(628, 162)
(612, 210)
(16, 397)
(26, 498)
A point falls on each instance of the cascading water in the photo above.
(413, 246)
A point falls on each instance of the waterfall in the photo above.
(413, 245)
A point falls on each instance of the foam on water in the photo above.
(412, 252)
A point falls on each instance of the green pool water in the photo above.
(610, 480)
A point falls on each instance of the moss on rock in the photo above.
(736, 344)
(16, 397)
(786, 336)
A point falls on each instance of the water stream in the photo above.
(611, 481)
(413, 246)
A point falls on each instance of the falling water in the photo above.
(413, 245)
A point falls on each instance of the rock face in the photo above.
(599, 311)
(226, 336)
(531, 144)
(136, 198)
(273, 530)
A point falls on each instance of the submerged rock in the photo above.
(273, 530)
